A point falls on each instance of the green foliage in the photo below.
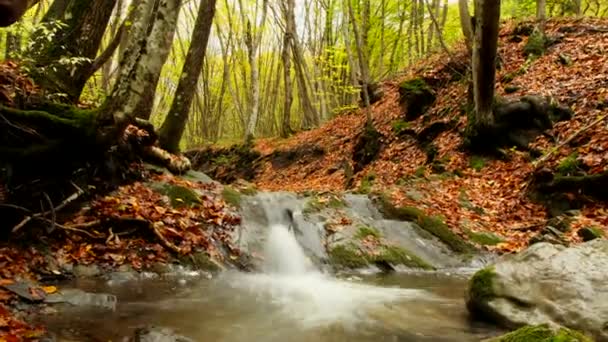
(231, 196)
(542, 333)
(569, 164)
(365, 231)
(477, 163)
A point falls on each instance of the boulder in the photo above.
(155, 334)
(541, 333)
(415, 98)
(546, 284)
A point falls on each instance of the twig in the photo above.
(53, 214)
(63, 204)
(164, 240)
(546, 157)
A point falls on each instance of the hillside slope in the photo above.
(473, 194)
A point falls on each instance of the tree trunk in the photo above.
(143, 110)
(85, 24)
(175, 122)
(12, 10)
(286, 57)
(465, 23)
(487, 15)
(541, 14)
(362, 64)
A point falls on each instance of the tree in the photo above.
(64, 64)
(541, 13)
(363, 65)
(173, 127)
(487, 16)
(465, 23)
(13, 10)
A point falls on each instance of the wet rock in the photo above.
(85, 271)
(26, 290)
(116, 278)
(549, 235)
(82, 299)
(154, 334)
(541, 333)
(591, 233)
(546, 284)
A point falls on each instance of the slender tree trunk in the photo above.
(541, 14)
(487, 15)
(465, 23)
(286, 57)
(173, 128)
(362, 64)
(398, 39)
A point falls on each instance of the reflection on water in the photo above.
(290, 301)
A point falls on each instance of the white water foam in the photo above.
(303, 294)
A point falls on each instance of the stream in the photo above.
(290, 299)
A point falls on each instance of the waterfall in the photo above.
(283, 254)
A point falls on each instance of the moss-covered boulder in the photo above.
(353, 256)
(546, 284)
(591, 233)
(178, 195)
(415, 97)
(542, 333)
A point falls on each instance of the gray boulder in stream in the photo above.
(546, 284)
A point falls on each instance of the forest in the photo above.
(142, 140)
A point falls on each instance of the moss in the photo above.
(178, 195)
(542, 333)
(420, 171)
(511, 89)
(536, 45)
(568, 165)
(315, 204)
(481, 289)
(367, 183)
(200, 261)
(348, 255)
(365, 231)
(483, 238)
(416, 96)
(399, 256)
(249, 190)
(231, 196)
(400, 126)
(591, 233)
(477, 163)
(437, 227)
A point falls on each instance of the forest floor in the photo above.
(472, 193)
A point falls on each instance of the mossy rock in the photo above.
(232, 196)
(536, 45)
(201, 261)
(416, 97)
(438, 228)
(178, 195)
(367, 182)
(365, 231)
(367, 147)
(484, 238)
(542, 333)
(398, 256)
(348, 255)
(315, 205)
(480, 292)
(591, 233)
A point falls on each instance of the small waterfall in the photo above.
(283, 254)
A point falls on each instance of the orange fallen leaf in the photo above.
(49, 289)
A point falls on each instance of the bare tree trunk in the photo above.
(402, 17)
(362, 64)
(165, 35)
(173, 127)
(253, 36)
(286, 57)
(465, 23)
(487, 15)
(541, 14)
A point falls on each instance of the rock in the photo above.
(541, 333)
(549, 235)
(198, 176)
(546, 284)
(86, 271)
(415, 97)
(591, 233)
(154, 334)
(27, 290)
(82, 299)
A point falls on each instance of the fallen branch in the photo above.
(168, 244)
(62, 205)
(546, 157)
